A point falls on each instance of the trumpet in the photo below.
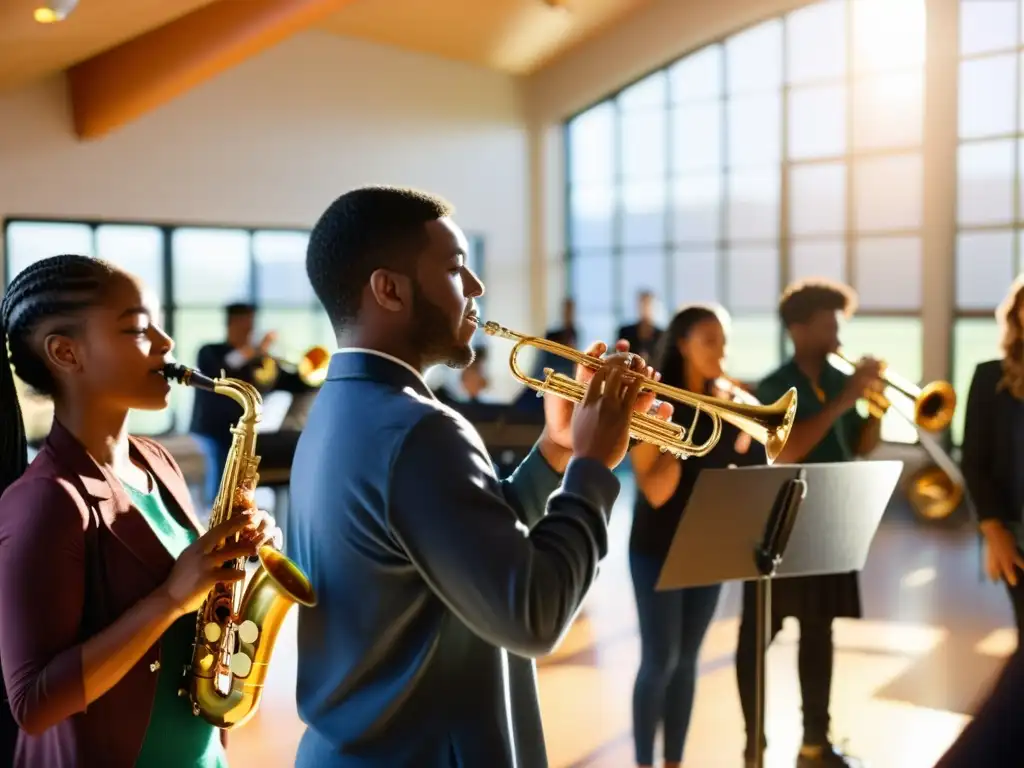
(934, 403)
(934, 491)
(770, 425)
(311, 368)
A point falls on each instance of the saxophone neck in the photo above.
(243, 393)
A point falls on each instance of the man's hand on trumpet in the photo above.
(557, 444)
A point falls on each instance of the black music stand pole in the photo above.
(774, 522)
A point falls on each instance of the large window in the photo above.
(990, 209)
(789, 150)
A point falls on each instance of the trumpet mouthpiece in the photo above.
(492, 328)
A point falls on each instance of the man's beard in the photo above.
(432, 335)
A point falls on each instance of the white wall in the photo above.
(273, 141)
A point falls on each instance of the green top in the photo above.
(840, 443)
(175, 738)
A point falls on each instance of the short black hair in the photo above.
(239, 309)
(802, 300)
(362, 231)
(59, 287)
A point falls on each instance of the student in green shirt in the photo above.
(828, 429)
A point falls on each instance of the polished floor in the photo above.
(905, 677)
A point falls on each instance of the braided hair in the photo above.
(57, 288)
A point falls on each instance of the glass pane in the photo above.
(648, 93)
(752, 274)
(697, 137)
(698, 76)
(591, 216)
(984, 268)
(754, 205)
(987, 25)
(591, 281)
(281, 268)
(817, 199)
(591, 149)
(817, 121)
(697, 213)
(595, 326)
(985, 182)
(888, 272)
(817, 258)
(754, 58)
(211, 266)
(192, 329)
(752, 350)
(643, 213)
(755, 131)
(975, 340)
(32, 241)
(297, 330)
(136, 249)
(816, 43)
(888, 193)
(694, 278)
(898, 341)
(643, 144)
(888, 111)
(988, 96)
(642, 270)
(888, 35)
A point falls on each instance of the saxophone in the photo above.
(237, 627)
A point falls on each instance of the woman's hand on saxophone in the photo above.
(202, 564)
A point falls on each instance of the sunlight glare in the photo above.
(888, 34)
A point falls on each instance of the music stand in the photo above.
(774, 522)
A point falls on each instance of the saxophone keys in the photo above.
(248, 632)
(241, 665)
(212, 631)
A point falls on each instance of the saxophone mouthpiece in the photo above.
(188, 376)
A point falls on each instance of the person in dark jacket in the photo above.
(438, 581)
(992, 454)
(214, 415)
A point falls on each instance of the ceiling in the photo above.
(29, 51)
(515, 36)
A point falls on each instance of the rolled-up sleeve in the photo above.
(516, 588)
(42, 587)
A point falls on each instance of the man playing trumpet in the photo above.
(827, 429)
(437, 581)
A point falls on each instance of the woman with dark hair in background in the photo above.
(992, 457)
(673, 623)
(103, 564)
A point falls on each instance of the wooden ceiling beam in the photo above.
(116, 87)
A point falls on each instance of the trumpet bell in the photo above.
(312, 368)
(934, 406)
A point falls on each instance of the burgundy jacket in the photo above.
(75, 555)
